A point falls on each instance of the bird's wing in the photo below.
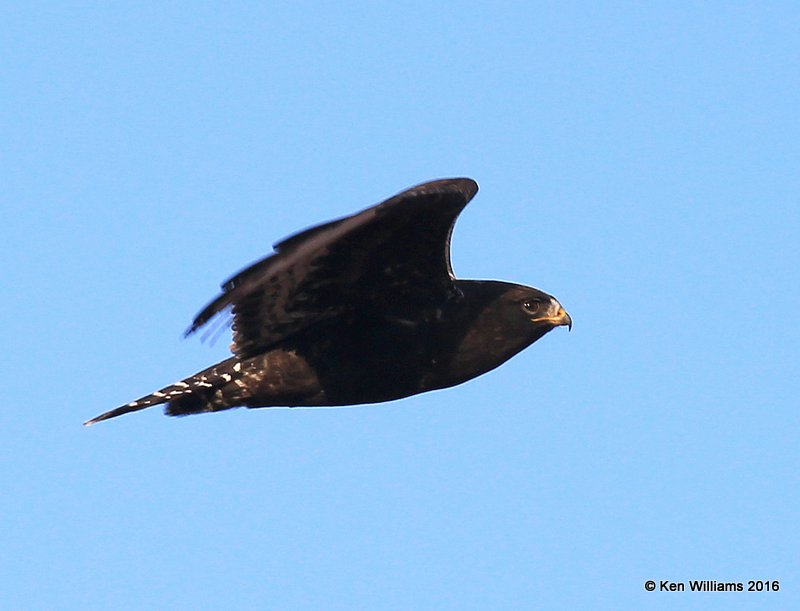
(394, 254)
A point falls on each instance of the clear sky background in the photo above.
(640, 161)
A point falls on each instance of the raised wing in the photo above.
(393, 255)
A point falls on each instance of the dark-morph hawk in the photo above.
(361, 310)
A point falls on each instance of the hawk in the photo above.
(362, 309)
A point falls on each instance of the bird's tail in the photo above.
(196, 394)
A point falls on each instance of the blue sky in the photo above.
(637, 160)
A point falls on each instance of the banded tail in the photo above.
(199, 393)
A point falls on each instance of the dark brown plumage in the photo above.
(361, 310)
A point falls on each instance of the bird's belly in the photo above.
(368, 363)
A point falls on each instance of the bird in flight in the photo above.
(362, 309)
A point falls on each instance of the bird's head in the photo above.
(521, 315)
(499, 319)
(539, 308)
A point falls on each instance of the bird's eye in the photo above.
(532, 306)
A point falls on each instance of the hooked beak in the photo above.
(559, 319)
(566, 319)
